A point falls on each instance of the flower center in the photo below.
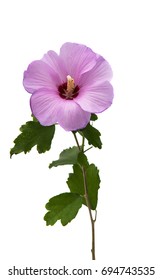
(68, 90)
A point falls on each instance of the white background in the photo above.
(129, 225)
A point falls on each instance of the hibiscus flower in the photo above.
(68, 87)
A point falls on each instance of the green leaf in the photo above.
(93, 184)
(75, 180)
(68, 156)
(82, 160)
(93, 117)
(62, 207)
(33, 134)
(92, 135)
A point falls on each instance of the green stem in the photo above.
(88, 149)
(76, 139)
(90, 213)
(81, 149)
(83, 142)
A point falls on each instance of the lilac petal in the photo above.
(56, 63)
(78, 59)
(72, 117)
(49, 108)
(44, 106)
(95, 99)
(40, 75)
(99, 73)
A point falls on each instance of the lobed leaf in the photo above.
(82, 160)
(92, 135)
(68, 156)
(75, 180)
(93, 184)
(33, 134)
(62, 207)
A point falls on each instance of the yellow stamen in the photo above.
(70, 84)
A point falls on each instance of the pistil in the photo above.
(68, 90)
(70, 86)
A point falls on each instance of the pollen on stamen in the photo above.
(70, 84)
(68, 90)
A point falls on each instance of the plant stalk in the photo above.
(81, 149)
(90, 214)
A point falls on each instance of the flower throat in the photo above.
(68, 90)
